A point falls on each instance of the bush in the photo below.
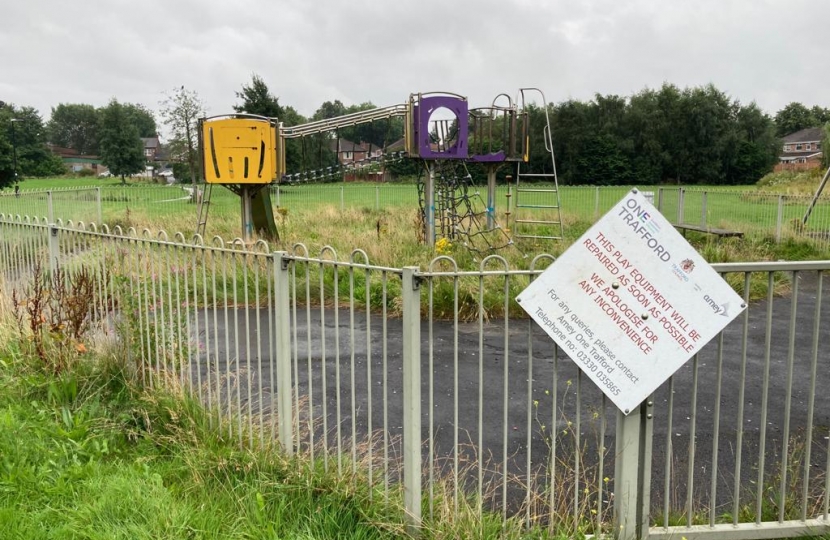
(83, 173)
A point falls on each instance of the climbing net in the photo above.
(460, 211)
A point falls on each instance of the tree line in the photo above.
(668, 135)
(695, 135)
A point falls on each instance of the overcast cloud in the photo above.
(308, 51)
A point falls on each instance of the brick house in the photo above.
(76, 162)
(349, 152)
(801, 150)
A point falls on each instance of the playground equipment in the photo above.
(246, 153)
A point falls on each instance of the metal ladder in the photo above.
(537, 212)
(204, 207)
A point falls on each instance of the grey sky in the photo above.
(309, 51)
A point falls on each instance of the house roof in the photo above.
(150, 142)
(67, 153)
(345, 146)
(797, 155)
(805, 135)
(62, 151)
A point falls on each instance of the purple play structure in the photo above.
(451, 140)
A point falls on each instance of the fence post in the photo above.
(54, 249)
(50, 208)
(703, 211)
(342, 199)
(411, 292)
(100, 207)
(596, 204)
(680, 202)
(282, 314)
(660, 200)
(278, 195)
(632, 473)
(779, 222)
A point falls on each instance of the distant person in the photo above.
(17, 190)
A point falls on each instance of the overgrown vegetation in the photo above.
(803, 183)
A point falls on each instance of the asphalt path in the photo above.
(354, 348)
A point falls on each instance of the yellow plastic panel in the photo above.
(239, 151)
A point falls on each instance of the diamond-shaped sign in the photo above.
(631, 301)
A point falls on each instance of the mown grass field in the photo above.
(382, 218)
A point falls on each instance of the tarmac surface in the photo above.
(319, 363)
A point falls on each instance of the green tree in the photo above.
(794, 117)
(821, 114)
(257, 99)
(142, 118)
(825, 146)
(756, 147)
(121, 148)
(7, 170)
(181, 110)
(23, 140)
(75, 126)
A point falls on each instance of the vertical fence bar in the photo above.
(50, 207)
(54, 249)
(596, 204)
(411, 293)
(788, 400)
(741, 400)
(703, 210)
(762, 449)
(812, 399)
(282, 312)
(780, 219)
(100, 206)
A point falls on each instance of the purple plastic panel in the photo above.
(428, 105)
(498, 157)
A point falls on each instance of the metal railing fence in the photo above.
(431, 385)
(753, 213)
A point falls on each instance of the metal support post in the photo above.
(50, 208)
(411, 292)
(429, 199)
(632, 473)
(596, 204)
(491, 196)
(282, 314)
(681, 195)
(660, 199)
(54, 249)
(779, 222)
(703, 211)
(247, 214)
(100, 207)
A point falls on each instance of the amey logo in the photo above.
(719, 309)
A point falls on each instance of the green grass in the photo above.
(88, 454)
(84, 455)
(144, 204)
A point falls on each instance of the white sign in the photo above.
(631, 301)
